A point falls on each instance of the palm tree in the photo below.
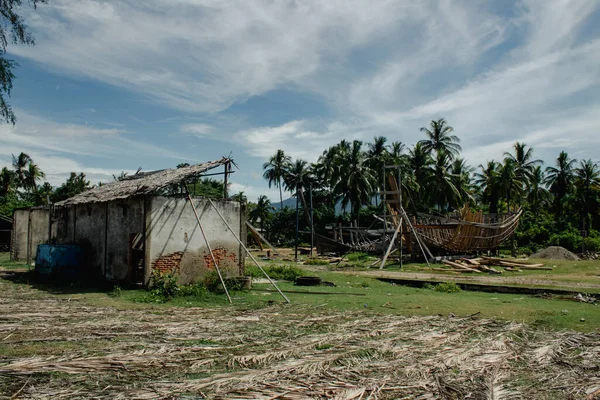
(240, 197)
(587, 182)
(419, 162)
(559, 179)
(442, 189)
(275, 170)
(297, 176)
(396, 150)
(461, 179)
(8, 182)
(356, 180)
(523, 159)
(439, 138)
(377, 155)
(509, 181)
(46, 191)
(538, 194)
(487, 181)
(32, 175)
(261, 211)
(20, 165)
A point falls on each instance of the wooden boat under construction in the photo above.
(464, 232)
(468, 231)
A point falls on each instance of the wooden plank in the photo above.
(256, 232)
(459, 266)
(518, 265)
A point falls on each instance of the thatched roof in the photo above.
(141, 183)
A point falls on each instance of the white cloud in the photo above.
(528, 72)
(202, 55)
(198, 129)
(55, 145)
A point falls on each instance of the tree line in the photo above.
(23, 185)
(559, 201)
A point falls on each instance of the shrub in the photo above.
(445, 287)
(592, 243)
(253, 271)
(197, 290)
(357, 256)
(283, 272)
(570, 240)
(212, 283)
(116, 291)
(163, 284)
(316, 261)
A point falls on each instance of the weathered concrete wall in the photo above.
(105, 230)
(125, 222)
(20, 237)
(174, 241)
(63, 225)
(38, 230)
(90, 234)
(30, 230)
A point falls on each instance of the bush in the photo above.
(316, 261)
(282, 272)
(592, 243)
(163, 285)
(570, 240)
(445, 287)
(212, 283)
(116, 292)
(357, 256)
(197, 290)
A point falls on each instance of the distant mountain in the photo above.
(291, 203)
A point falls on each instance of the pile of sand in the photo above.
(555, 253)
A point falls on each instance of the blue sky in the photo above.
(112, 86)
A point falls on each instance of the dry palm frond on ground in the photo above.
(52, 347)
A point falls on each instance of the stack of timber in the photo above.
(490, 265)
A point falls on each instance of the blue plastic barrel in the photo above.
(59, 259)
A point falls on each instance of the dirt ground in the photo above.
(63, 347)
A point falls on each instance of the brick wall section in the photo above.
(168, 263)
(220, 254)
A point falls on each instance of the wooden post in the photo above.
(389, 249)
(208, 246)
(226, 181)
(297, 227)
(312, 225)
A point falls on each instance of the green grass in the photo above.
(5, 262)
(379, 297)
(395, 299)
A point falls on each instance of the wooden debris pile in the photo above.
(490, 265)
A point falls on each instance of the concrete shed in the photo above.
(128, 228)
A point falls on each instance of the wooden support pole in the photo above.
(392, 242)
(209, 248)
(421, 245)
(226, 181)
(247, 251)
(257, 233)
